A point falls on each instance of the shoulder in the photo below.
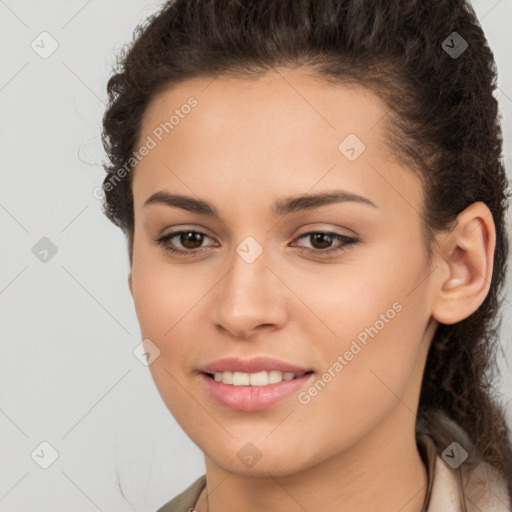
(460, 483)
(185, 501)
(459, 490)
(485, 489)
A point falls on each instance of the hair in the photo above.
(442, 122)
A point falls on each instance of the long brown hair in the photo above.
(443, 123)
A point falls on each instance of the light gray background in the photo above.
(68, 330)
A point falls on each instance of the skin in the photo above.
(245, 144)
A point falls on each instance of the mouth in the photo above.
(257, 379)
(253, 384)
(241, 395)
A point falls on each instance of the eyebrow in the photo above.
(282, 206)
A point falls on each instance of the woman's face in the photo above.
(260, 281)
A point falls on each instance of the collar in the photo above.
(455, 490)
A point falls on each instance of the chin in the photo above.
(262, 468)
(260, 458)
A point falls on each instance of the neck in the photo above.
(381, 471)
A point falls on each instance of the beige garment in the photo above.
(484, 491)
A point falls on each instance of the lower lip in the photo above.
(253, 398)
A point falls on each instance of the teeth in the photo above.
(253, 379)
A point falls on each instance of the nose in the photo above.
(250, 298)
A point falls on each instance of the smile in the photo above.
(242, 395)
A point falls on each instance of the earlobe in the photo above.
(465, 261)
(130, 283)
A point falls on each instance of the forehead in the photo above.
(294, 103)
(282, 132)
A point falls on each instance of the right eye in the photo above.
(185, 237)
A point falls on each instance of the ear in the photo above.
(130, 282)
(465, 258)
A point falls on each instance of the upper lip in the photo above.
(256, 364)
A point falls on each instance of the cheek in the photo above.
(368, 318)
(366, 369)
(342, 301)
(163, 294)
(162, 305)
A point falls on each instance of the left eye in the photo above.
(195, 238)
(323, 238)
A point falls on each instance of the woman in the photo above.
(314, 200)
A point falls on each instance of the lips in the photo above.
(256, 364)
(254, 398)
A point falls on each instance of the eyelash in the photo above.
(346, 240)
